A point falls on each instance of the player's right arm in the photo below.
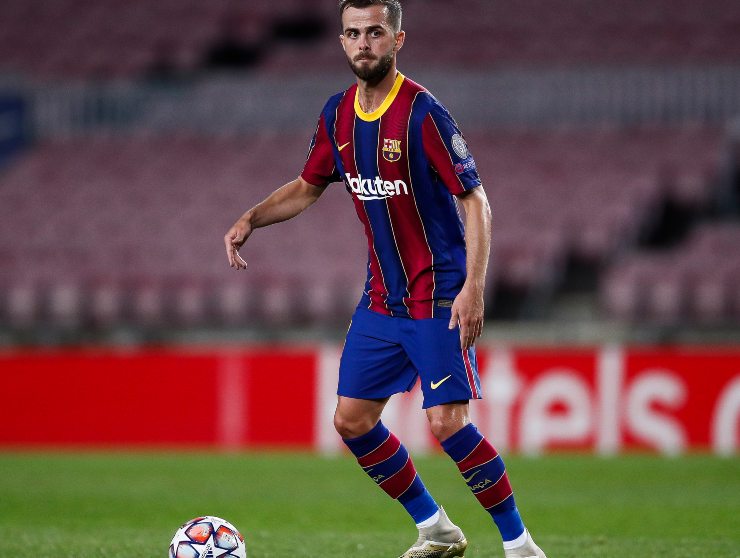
(284, 203)
(288, 201)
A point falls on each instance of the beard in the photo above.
(373, 74)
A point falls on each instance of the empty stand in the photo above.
(697, 281)
(128, 230)
(108, 231)
(122, 40)
(585, 194)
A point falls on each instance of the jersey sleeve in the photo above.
(447, 151)
(320, 168)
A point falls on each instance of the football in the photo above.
(207, 537)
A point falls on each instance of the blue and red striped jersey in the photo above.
(402, 164)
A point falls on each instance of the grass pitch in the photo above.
(128, 505)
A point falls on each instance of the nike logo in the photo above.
(468, 479)
(345, 145)
(435, 385)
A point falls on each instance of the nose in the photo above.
(363, 43)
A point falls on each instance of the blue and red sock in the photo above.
(484, 472)
(384, 458)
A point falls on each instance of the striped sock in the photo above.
(483, 470)
(384, 458)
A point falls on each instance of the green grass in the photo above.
(117, 505)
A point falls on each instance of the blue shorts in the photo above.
(384, 355)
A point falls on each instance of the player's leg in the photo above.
(479, 463)
(382, 456)
(374, 367)
(483, 470)
(449, 378)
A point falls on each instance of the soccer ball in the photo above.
(207, 537)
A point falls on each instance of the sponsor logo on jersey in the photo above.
(459, 146)
(375, 188)
(391, 150)
(464, 166)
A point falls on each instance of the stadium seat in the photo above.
(695, 281)
(151, 251)
(53, 39)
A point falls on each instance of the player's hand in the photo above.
(467, 311)
(235, 239)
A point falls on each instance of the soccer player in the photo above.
(405, 166)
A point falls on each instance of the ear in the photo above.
(400, 38)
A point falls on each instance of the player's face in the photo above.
(369, 42)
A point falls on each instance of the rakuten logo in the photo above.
(375, 189)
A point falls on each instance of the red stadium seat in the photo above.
(162, 205)
(55, 39)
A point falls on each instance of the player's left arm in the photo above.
(468, 307)
(448, 154)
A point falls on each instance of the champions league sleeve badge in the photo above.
(391, 150)
(459, 146)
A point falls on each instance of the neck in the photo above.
(371, 96)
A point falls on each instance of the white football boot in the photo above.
(444, 539)
(527, 550)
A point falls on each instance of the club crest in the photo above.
(391, 150)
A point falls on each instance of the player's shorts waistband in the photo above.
(442, 310)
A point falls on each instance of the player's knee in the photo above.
(351, 427)
(439, 428)
(443, 427)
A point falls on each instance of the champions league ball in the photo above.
(207, 537)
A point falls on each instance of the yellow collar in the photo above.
(380, 111)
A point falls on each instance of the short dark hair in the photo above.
(395, 12)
